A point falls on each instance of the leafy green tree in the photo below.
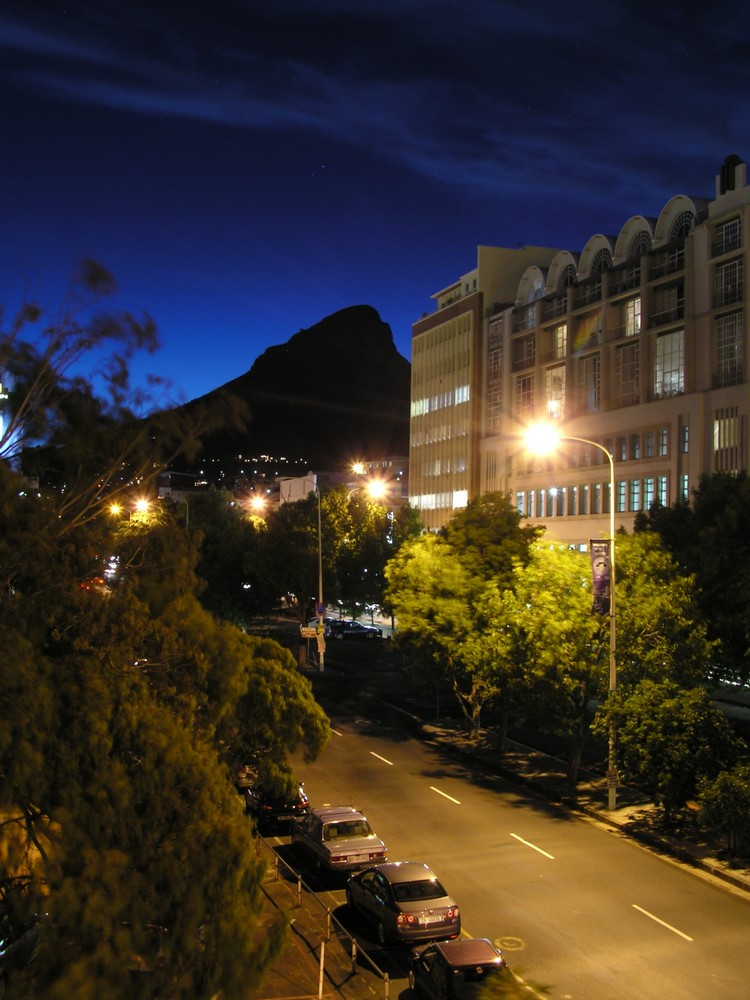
(725, 805)
(443, 590)
(669, 739)
(710, 540)
(562, 644)
(661, 632)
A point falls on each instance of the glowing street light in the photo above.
(542, 439)
(258, 505)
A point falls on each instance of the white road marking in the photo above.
(526, 843)
(662, 922)
(384, 759)
(336, 732)
(445, 795)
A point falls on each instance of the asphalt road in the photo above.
(580, 912)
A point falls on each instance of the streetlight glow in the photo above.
(542, 439)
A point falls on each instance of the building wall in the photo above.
(637, 344)
(446, 388)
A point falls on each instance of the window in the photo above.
(524, 352)
(583, 499)
(684, 438)
(684, 489)
(635, 446)
(525, 397)
(621, 494)
(650, 444)
(648, 492)
(554, 392)
(663, 442)
(728, 283)
(661, 487)
(589, 384)
(622, 449)
(596, 498)
(572, 499)
(634, 500)
(627, 373)
(728, 369)
(633, 317)
(728, 237)
(669, 364)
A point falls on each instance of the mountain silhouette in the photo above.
(334, 392)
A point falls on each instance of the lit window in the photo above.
(669, 364)
(633, 317)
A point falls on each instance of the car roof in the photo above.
(329, 813)
(469, 951)
(405, 871)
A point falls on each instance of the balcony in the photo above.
(667, 261)
(671, 313)
(554, 307)
(587, 292)
(624, 279)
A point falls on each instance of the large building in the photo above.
(637, 345)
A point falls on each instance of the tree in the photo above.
(563, 645)
(669, 739)
(710, 540)
(443, 589)
(123, 710)
(725, 804)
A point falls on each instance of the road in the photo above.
(580, 912)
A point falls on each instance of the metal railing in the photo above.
(337, 951)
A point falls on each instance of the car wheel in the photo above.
(413, 981)
(370, 635)
(349, 902)
(317, 865)
(382, 936)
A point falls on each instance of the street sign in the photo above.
(307, 633)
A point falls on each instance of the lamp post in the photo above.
(542, 438)
(321, 606)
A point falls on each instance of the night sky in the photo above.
(246, 169)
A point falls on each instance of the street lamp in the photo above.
(321, 606)
(542, 439)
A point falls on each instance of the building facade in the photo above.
(637, 344)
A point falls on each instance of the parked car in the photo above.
(329, 624)
(345, 629)
(405, 901)
(456, 970)
(270, 811)
(338, 839)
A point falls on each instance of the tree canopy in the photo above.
(125, 707)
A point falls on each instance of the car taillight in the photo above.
(452, 913)
(406, 918)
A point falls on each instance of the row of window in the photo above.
(440, 401)
(631, 496)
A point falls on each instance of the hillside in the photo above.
(336, 391)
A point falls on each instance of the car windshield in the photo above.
(347, 828)
(426, 888)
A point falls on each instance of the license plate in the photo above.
(433, 920)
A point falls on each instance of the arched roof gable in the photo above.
(532, 285)
(560, 263)
(595, 247)
(633, 228)
(677, 208)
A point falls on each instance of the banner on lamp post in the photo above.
(601, 574)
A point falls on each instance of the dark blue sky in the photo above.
(246, 169)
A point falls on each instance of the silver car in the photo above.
(405, 901)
